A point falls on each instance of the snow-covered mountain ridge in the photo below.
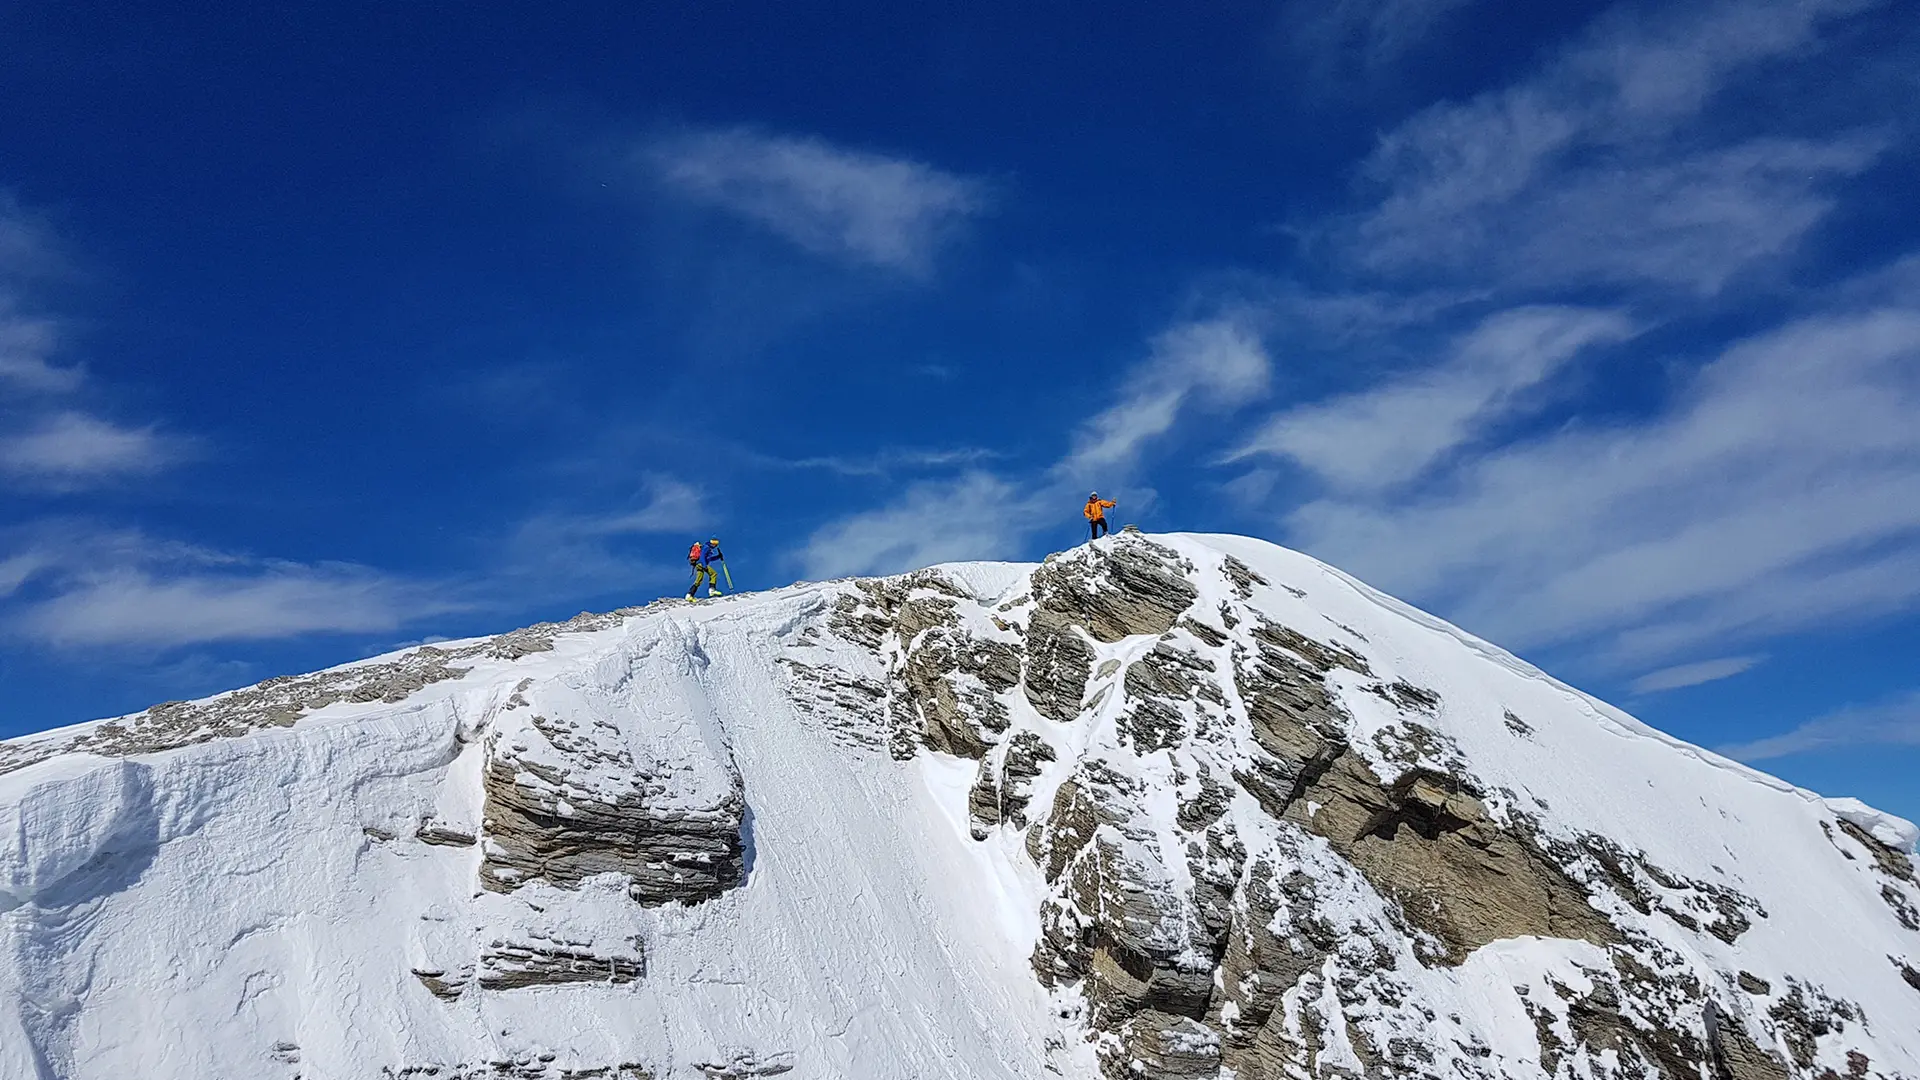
(1168, 806)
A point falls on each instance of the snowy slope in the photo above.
(1167, 806)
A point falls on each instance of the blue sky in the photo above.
(1594, 328)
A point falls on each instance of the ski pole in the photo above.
(728, 572)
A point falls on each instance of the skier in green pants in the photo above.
(708, 564)
(701, 572)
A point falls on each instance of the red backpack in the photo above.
(693, 556)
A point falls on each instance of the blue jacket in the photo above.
(711, 554)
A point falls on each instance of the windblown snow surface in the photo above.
(747, 838)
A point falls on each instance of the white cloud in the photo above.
(1895, 722)
(883, 463)
(66, 585)
(1691, 222)
(1373, 32)
(1696, 674)
(1394, 432)
(1573, 174)
(975, 516)
(43, 442)
(17, 570)
(671, 506)
(1834, 592)
(1781, 490)
(74, 588)
(70, 449)
(131, 607)
(1219, 362)
(1774, 490)
(26, 343)
(860, 207)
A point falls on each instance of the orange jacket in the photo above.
(1097, 508)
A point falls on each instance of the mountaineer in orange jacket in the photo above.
(1096, 512)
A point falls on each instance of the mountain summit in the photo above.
(1162, 806)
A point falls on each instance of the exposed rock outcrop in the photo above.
(746, 1064)
(1734, 1054)
(850, 705)
(1003, 789)
(1193, 956)
(444, 984)
(1142, 950)
(511, 965)
(1278, 936)
(1895, 864)
(955, 680)
(1159, 687)
(279, 701)
(946, 678)
(1426, 841)
(1133, 587)
(1152, 1043)
(1059, 660)
(432, 832)
(526, 1067)
(566, 800)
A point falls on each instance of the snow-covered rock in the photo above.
(1170, 806)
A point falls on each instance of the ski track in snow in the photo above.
(947, 974)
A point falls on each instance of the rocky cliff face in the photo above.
(1160, 807)
(1243, 875)
(579, 794)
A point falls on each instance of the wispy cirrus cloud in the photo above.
(27, 247)
(1503, 246)
(1367, 35)
(1218, 361)
(71, 449)
(69, 586)
(885, 462)
(47, 441)
(1766, 486)
(671, 506)
(27, 341)
(854, 206)
(1779, 490)
(27, 345)
(1892, 722)
(1691, 223)
(275, 600)
(1393, 432)
(1695, 674)
(975, 516)
(1576, 173)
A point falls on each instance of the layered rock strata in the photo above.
(567, 799)
(1195, 955)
